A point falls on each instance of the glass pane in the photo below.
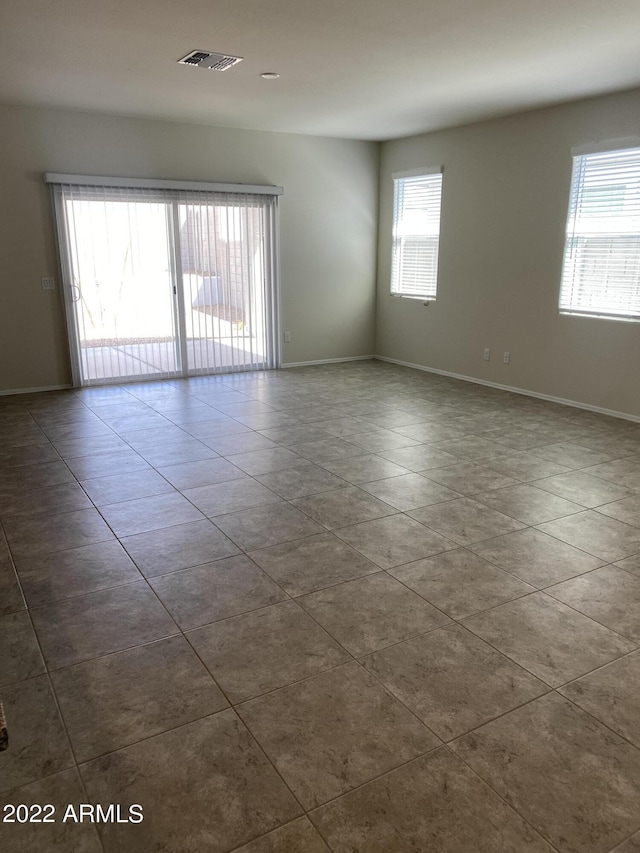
(122, 287)
(222, 259)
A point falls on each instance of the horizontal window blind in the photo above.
(601, 269)
(416, 234)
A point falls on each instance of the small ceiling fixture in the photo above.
(211, 61)
(269, 75)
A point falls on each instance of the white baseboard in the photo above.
(512, 389)
(328, 361)
(10, 391)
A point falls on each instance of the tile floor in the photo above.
(343, 608)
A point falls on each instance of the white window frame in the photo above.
(427, 232)
(601, 263)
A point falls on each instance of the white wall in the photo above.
(504, 207)
(328, 224)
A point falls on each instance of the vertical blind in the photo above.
(162, 282)
(601, 269)
(416, 234)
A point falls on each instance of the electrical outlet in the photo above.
(487, 354)
(507, 357)
(287, 337)
(49, 283)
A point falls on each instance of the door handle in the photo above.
(74, 298)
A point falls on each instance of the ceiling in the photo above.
(365, 69)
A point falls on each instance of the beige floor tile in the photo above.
(525, 466)
(631, 845)
(552, 641)
(583, 489)
(107, 464)
(296, 837)
(269, 648)
(609, 595)
(370, 613)
(327, 450)
(59, 790)
(363, 469)
(421, 457)
(535, 557)
(11, 599)
(145, 514)
(230, 496)
(606, 538)
(528, 504)
(28, 478)
(92, 625)
(344, 427)
(333, 732)
(300, 482)
(611, 695)
(394, 541)
(572, 455)
(126, 487)
(179, 547)
(38, 744)
(465, 521)
(222, 425)
(432, 431)
(381, 439)
(215, 591)
(630, 564)
(316, 562)
(119, 699)
(44, 534)
(20, 656)
(343, 507)
(263, 461)
(203, 786)
(291, 432)
(471, 447)
(267, 525)
(90, 446)
(30, 454)
(173, 453)
(461, 583)
(436, 798)
(409, 491)
(627, 510)
(622, 472)
(77, 571)
(453, 681)
(64, 497)
(469, 478)
(544, 777)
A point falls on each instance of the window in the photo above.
(416, 233)
(601, 270)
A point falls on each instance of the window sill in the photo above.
(426, 300)
(620, 318)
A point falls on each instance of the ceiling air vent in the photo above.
(212, 61)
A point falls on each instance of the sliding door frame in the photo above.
(167, 191)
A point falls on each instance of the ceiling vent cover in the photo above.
(212, 61)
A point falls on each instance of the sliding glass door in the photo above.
(162, 283)
(223, 261)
